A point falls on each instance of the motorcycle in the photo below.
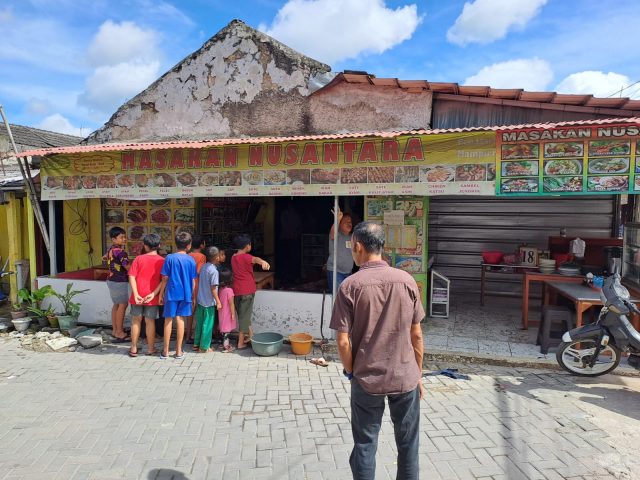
(597, 348)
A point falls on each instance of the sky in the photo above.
(67, 65)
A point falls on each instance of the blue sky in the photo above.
(66, 65)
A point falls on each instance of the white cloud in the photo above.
(121, 42)
(483, 21)
(111, 85)
(127, 61)
(598, 84)
(531, 74)
(333, 30)
(58, 123)
(38, 106)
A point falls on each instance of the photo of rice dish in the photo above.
(298, 176)
(114, 216)
(184, 202)
(230, 179)
(137, 215)
(106, 181)
(89, 181)
(113, 202)
(609, 147)
(563, 167)
(187, 179)
(325, 175)
(160, 203)
(471, 173)
(437, 174)
(609, 165)
(520, 151)
(275, 177)
(407, 174)
(160, 215)
(136, 232)
(72, 183)
(562, 184)
(608, 184)
(184, 215)
(143, 180)
(353, 175)
(252, 178)
(409, 264)
(208, 179)
(519, 185)
(53, 183)
(523, 168)
(137, 203)
(164, 180)
(563, 149)
(165, 233)
(124, 181)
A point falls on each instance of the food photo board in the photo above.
(165, 217)
(573, 160)
(405, 222)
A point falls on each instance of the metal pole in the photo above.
(335, 248)
(31, 189)
(53, 258)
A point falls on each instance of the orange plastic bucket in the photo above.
(301, 343)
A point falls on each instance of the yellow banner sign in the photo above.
(408, 165)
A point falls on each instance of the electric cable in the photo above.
(79, 227)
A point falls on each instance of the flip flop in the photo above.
(163, 356)
(133, 354)
(121, 340)
(152, 353)
(321, 362)
(179, 357)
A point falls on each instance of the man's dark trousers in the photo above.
(366, 418)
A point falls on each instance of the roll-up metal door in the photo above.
(460, 228)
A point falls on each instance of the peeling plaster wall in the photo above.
(361, 108)
(240, 83)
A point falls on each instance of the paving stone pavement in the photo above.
(102, 415)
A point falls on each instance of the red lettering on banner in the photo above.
(274, 154)
(195, 160)
(177, 160)
(213, 158)
(128, 161)
(349, 148)
(390, 151)
(161, 159)
(368, 152)
(255, 155)
(291, 154)
(310, 155)
(231, 157)
(145, 160)
(413, 150)
(330, 151)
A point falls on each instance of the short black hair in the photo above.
(211, 253)
(226, 277)
(152, 240)
(241, 241)
(115, 231)
(196, 240)
(183, 240)
(370, 235)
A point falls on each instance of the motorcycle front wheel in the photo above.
(576, 356)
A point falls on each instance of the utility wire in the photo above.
(619, 92)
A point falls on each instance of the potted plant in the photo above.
(18, 309)
(68, 318)
(34, 304)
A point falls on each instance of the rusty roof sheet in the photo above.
(111, 147)
(621, 103)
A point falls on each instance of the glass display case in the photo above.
(631, 254)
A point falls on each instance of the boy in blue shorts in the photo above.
(178, 276)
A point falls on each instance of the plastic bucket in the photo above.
(301, 343)
(267, 344)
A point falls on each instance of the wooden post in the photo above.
(31, 232)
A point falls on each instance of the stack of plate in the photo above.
(568, 269)
(547, 265)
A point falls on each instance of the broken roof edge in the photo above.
(114, 147)
(262, 37)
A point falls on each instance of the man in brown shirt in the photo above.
(377, 314)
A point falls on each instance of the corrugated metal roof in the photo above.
(631, 106)
(36, 138)
(111, 147)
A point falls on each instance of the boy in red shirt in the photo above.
(146, 287)
(197, 246)
(244, 286)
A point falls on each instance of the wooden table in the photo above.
(264, 280)
(503, 269)
(583, 298)
(532, 276)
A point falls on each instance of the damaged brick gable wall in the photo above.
(240, 83)
(364, 108)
